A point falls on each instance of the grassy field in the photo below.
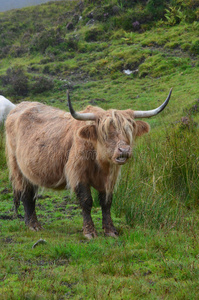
(156, 204)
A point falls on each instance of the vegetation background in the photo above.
(115, 54)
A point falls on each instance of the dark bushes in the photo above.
(94, 34)
(42, 40)
(156, 8)
(16, 81)
(41, 84)
(195, 47)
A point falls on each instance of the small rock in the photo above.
(136, 25)
(90, 22)
(127, 72)
(40, 241)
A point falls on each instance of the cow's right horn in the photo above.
(79, 116)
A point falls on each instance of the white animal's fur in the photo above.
(5, 107)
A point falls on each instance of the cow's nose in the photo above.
(124, 150)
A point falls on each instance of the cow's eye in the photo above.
(111, 135)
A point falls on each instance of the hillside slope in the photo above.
(89, 46)
(115, 54)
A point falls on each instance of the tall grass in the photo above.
(162, 181)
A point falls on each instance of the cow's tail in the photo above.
(5, 107)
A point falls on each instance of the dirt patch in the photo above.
(194, 108)
(6, 217)
(7, 240)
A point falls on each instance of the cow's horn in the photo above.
(79, 116)
(153, 112)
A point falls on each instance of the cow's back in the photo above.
(39, 137)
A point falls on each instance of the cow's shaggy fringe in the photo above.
(119, 120)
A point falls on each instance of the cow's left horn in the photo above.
(80, 116)
(153, 112)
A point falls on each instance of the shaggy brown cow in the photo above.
(54, 149)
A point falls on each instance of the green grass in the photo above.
(142, 262)
(155, 207)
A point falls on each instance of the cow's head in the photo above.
(113, 131)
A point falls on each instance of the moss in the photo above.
(94, 34)
(185, 46)
(195, 47)
(159, 65)
(171, 45)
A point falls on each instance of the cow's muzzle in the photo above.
(123, 153)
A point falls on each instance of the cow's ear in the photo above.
(142, 128)
(88, 132)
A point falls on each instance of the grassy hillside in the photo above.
(88, 47)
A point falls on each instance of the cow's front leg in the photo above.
(107, 223)
(83, 194)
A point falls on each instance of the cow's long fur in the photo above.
(49, 152)
(46, 147)
(5, 107)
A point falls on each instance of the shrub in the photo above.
(93, 34)
(156, 8)
(18, 51)
(130, 19)
(195, 47)
(181, 11)
(4, 51)
(42, 40)
(41, 84)
(16, 81)
(129, 3)
(71, 43)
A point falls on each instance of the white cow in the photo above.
(5, 107)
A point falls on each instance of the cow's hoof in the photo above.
(36, 226)
(112, 234)
(32, 223)
(91, 235)
(110, 231)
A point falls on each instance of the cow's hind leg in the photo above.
(28, 198)
(107, 223)
(16, 200)
(83, 194)
(16, 178)
(23, 191)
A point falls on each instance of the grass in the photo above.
(140, 263)
(155, 205)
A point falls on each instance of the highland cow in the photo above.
(48, 147)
